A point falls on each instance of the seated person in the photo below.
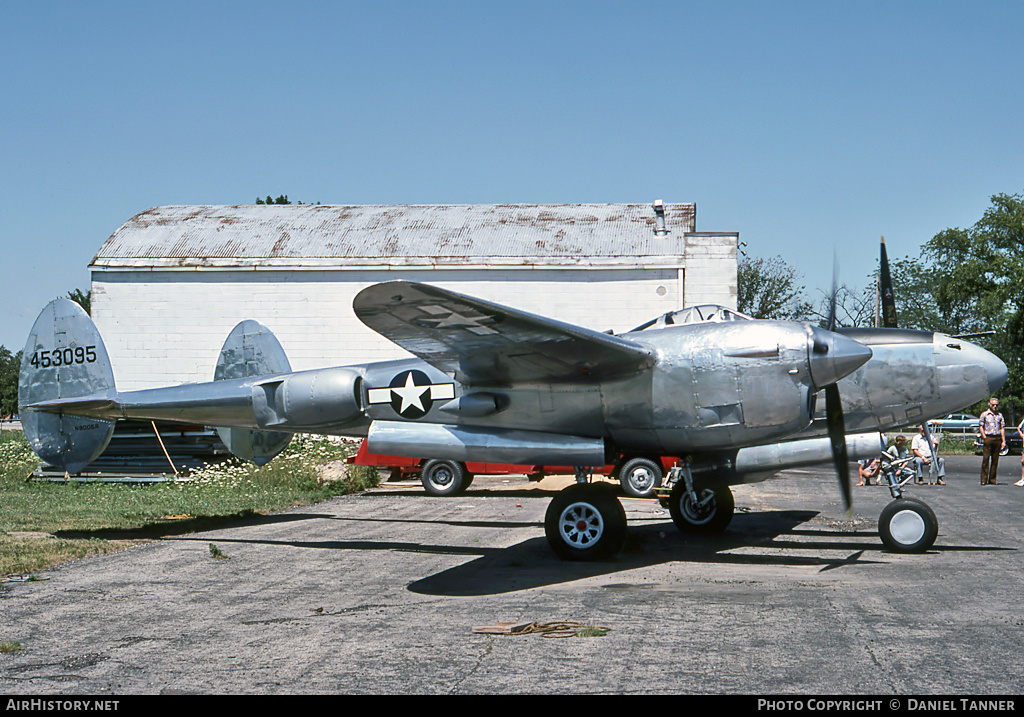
(895, 452)
(923, 457)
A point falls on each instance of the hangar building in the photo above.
(169, 285)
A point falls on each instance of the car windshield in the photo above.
(702, 313)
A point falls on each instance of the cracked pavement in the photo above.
(378, 593)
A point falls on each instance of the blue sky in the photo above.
(807, 127)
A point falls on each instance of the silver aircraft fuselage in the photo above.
(526, 393)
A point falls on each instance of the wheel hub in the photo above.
(907, 527)
(642, 478)
(701, 510)
(442, 477)
(580, 524)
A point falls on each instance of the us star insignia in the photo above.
(411, 394)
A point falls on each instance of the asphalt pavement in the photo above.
(379, 593)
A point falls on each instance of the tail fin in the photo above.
(251, 349)
(64, 358)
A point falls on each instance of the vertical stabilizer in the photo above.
(64, 358)
(251, 349)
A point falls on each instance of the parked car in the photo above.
(955, 423)
(639, 476)
(1014, 442)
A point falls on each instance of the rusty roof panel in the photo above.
(408, 235)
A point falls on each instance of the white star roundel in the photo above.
(411, 394)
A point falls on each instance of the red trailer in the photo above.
(639, 475)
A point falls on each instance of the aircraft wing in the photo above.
(481, 342)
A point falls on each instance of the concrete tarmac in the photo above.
(379, 593)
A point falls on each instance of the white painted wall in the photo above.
(167, 327)
(710, 270)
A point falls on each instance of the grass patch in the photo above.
(9, 646)
(956, 444)
(66, 521)
(949, 443)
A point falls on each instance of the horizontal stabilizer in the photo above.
(101, 406)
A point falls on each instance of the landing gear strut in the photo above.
(697, 507)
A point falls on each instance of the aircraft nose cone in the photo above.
(994, 367)
(974, 355)
(833, 356)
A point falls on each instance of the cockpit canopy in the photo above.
(702, 313)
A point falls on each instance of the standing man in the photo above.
(993, 440)
(923, 454)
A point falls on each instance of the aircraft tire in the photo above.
(640, 476)
(908, 525)
(585, 522)
(443, 478)
(708, 519)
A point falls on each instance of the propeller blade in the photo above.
(837, 436)
(885, 291)
(834, 407)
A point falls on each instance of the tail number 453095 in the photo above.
(64, 357)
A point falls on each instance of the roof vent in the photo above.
(659, 219)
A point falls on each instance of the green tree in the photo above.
(10, 365)
(83, 300)
(914, 284)
(769, 289)
(283, 199)
(982, 284)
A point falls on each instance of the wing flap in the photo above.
(480, 342)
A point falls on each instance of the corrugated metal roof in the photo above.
(402, 235)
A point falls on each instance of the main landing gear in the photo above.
(586, 521)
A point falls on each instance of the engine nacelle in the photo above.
(309, 399)
(733, 383)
